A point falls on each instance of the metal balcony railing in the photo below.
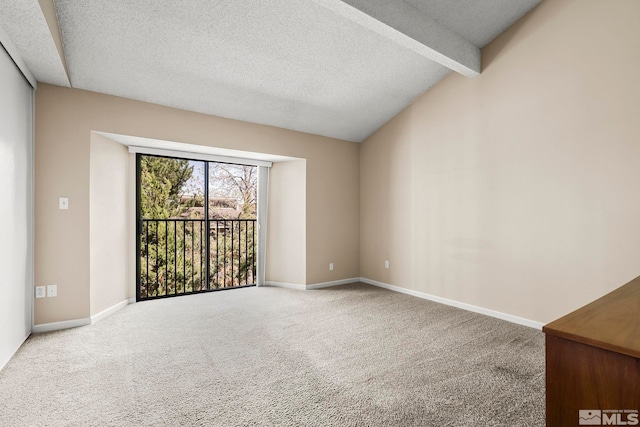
(180, 256)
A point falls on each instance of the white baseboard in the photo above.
(46, 327)
(132, 300)
(313, 285)
(109, 311)
(462, 305)
(285, 285)
(334, 283)
(65, 324)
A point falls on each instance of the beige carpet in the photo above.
(352, 355)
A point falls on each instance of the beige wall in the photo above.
(512, 191)
(64, 121)
(286, 225)
(330, 188)
(108, 223)
(516, 190)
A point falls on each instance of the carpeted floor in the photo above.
(352, 355)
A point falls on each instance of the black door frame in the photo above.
(207, 221)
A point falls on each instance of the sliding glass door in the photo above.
(197, 226)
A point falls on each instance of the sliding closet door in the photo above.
(16, 208)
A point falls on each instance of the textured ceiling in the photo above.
(339, 68)
(294, 65)
(24, 23)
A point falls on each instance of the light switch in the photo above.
(52, 290)
(64, 203)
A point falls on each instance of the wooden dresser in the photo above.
(593, 361)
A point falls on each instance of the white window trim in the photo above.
(198, 156)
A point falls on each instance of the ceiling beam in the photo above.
(402, 23)
(51, 17)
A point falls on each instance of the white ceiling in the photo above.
(328, 67)
(24, 23)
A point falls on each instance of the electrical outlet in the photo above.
(386, 264)
(52, 290)
(330, 266)
(63, 203)
(41, 291)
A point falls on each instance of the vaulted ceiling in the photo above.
(328, 67)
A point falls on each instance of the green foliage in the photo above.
(162, 182)
(173, 252)
(172, 258)
(233, 260)
(176, 256)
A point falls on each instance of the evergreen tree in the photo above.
(162, 184)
